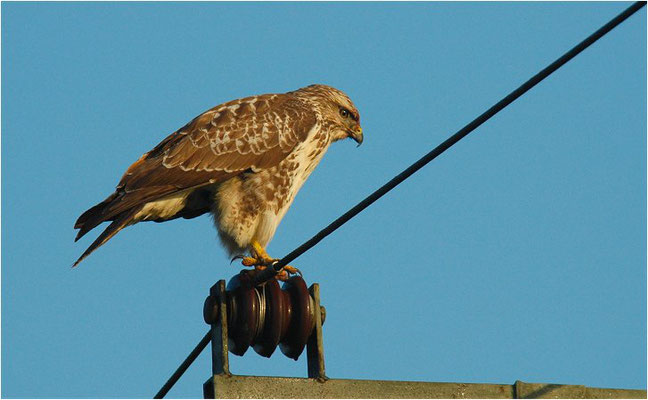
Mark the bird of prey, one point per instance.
(242, 161)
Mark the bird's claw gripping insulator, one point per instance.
(260, 260)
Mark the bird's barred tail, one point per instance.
(120, 222)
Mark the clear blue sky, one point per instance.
(518, 254)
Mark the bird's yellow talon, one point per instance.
(249, 261)
(237, 257)
(260, 260)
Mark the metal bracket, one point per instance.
(220, 356)
(315, 344)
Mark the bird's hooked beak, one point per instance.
(356, 134)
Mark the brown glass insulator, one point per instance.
(301, 318)
(243, 313)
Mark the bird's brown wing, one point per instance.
(247, 134)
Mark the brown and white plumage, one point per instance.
(244, 161)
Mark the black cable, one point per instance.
(463, 132)
(184, 366)
(269, 273)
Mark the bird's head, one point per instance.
(338, 110)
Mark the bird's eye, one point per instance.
(344, 112)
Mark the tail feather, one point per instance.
(93, 217)
(119, 223)
(118, 203)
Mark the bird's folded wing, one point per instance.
(247, 134)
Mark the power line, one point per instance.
(183, 367)
(269, 273)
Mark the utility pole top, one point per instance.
(232, 387)
(243, 314)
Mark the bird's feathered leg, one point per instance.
(260, 260)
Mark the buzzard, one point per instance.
(242, 161)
